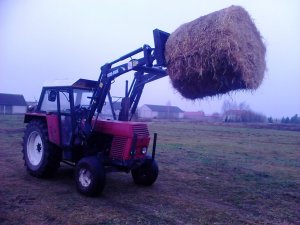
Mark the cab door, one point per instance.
(65, 117)
(57, 104)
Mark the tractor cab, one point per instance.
(63, 102)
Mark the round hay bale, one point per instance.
(215, 54)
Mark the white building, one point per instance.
(107, 111)
(160, 112)
(12, 104)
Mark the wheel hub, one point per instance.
(39, 147)
(85, 177)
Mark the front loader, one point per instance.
(67, 124)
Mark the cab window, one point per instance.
(49, 104)
(64, 100)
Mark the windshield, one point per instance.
(82, 98)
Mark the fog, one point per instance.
(54, 39)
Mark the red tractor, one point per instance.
(66, 125)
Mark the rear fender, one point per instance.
(52, 124)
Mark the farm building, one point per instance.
(107, 112)
(12, 104)
(160, 112)
(194, 115)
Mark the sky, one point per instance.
(68, 39)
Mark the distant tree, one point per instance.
(287, 120)
(295, 119)
(270, 120)
(229, 105)
(245, 116)
(241, 112)
(244, 106)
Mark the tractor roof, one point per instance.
(80, 83)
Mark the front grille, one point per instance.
(117, 148)
(141, 129)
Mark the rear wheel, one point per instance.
(90, 176)
(41, 157)
(146, 174)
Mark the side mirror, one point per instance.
(52, 96)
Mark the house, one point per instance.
(12, 104)
(160, 112)
(194, 115)
(107, 111)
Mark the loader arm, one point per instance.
(149, 68)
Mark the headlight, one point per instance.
(144, 150)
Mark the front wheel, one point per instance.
(90, 176)
(146, 174)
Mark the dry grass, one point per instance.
(208, 175)
(215, 54)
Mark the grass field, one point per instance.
(209, 174)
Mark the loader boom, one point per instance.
(148, 68)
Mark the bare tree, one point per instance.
(229, 105)
(244, 106)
